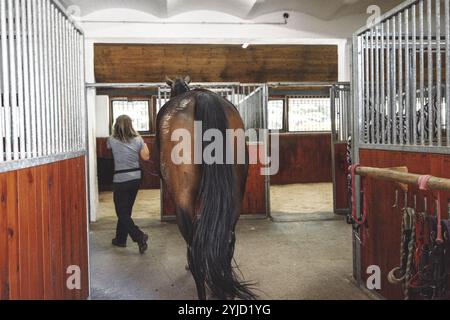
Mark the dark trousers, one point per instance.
(124, 196)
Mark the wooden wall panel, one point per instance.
(304, 158)
(215, 63)
(381, 241)
(340, 177)
(44, 209)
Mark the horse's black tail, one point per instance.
(210, 254)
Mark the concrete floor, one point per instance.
(309, 259)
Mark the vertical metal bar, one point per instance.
(53, 76)
(366, 109)
(383, 80)
(430, 75)
(6, 83)
(72, 123)
(78, 87)
(422, 73)
(62, 80)
(388, 83)
(407, 81)
(46, 67)
(447, 70)
(377, 108)
(65, 55)
(394, 81)
(50, 85)
(26, 77)
(372, 88)
(438, 73)
(40, 84)
(13, 78)
(32, 66)
(55, 69)
(414, 76)
(20, 86)
(400, 79)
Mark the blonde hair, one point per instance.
(123, 129)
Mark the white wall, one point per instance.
(102, 116)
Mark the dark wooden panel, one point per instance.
(215, 63)
(381, 245)
(304, 158)
(44, 211)
(340, 176)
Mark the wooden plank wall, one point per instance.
(43, 223)
(215, 63)
(304, 158)
(381, 244)
(340, 177)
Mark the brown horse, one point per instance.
(207, 197)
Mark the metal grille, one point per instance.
(341, 120)
(42, 112)
(401, 91)
(249, 99)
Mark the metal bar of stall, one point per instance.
(62, 80)
(45, 81)
(5, 82)
(78, 54)
(422, 73)
(68, 61)
(430, 75)
(56, 117)
(376, 119)
(447, 70)
(26, 78)
(394, 81)
(38, 63)
(13, 86)
(372, 89)
(66, 88)
(366, 109)
(438, 73)
(32, 55)
(56, 79)
(407, 81)
(72, 123)
(383, 80)
(414, 76)
(50, 84)
(400, 79)
(389, 96)
(20, 87)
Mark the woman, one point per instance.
(127, 146)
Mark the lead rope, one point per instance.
(411, 252)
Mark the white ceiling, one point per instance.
(247, 9)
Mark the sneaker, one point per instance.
(143, 244)
(118, 244)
